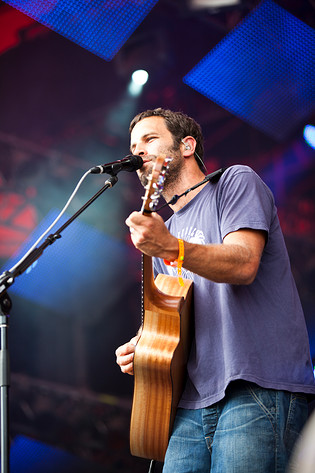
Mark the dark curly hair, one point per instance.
(180, 126)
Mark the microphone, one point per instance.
(130, 163)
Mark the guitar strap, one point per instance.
(213, 178)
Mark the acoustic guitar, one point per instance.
(162, 351)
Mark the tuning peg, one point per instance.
(153, 205)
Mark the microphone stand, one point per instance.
(6, 280)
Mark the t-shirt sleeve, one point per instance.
(245, 201)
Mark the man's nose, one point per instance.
(139, 150)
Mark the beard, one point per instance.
(174, 171)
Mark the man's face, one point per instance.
(150, 138)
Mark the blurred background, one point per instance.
(244, 70)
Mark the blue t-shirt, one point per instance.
(253, 332)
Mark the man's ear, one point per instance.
(189, 145)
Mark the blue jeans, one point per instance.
(252, 430)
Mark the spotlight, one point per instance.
(212, 4)
(309, 135)
(140, 77)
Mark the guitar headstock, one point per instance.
(155, 184)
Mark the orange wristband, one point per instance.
(179, 261)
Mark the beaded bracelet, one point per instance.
(179, 261)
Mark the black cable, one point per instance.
(152, 466)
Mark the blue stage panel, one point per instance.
(32, 456)
(262, 71)
(99, 26)
(83, 269)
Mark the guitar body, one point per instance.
(160, 362)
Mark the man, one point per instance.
(249, 369)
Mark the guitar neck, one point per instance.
(153, 190)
